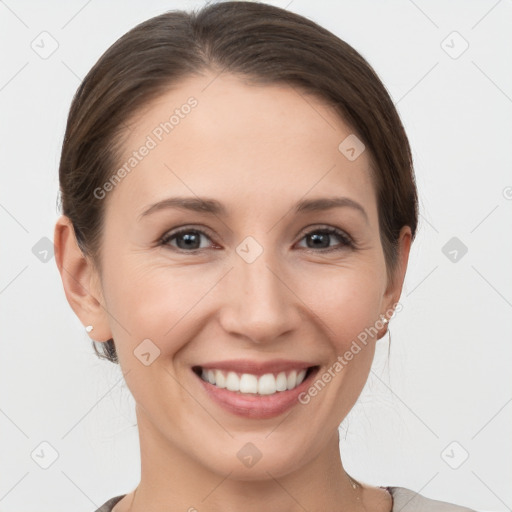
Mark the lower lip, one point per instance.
(252, 405)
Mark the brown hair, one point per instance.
(262, 43)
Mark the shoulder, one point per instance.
(109, 505)
(405, 500)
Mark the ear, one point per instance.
(80, 280)
(394, 287)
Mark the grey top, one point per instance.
(404, 500)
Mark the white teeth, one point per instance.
(248, 383)
(267, 384)
(281, 382)
(233, 382)
(220, 379)
(292, 379)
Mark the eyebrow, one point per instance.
(212, 206)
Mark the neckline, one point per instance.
(117, 499)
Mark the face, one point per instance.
(251, 285)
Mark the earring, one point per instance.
(89, 328)
(385, 321)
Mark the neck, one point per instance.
(173, 480)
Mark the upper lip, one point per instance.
(257, 367)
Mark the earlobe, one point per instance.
(79, 279)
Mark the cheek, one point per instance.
(156, 303)
(346, 302)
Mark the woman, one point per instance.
(238, 205)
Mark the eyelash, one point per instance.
(347, 242)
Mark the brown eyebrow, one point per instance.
(327, 203)
(196, 204)
(212, 206)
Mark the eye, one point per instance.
(187, 239)
(321, 236)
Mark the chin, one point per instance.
(255, 460)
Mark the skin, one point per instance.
(258, 150)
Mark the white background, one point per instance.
(448, 375)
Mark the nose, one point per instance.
(259, 303)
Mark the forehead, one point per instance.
(223, 134)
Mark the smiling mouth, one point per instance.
(250, 384)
